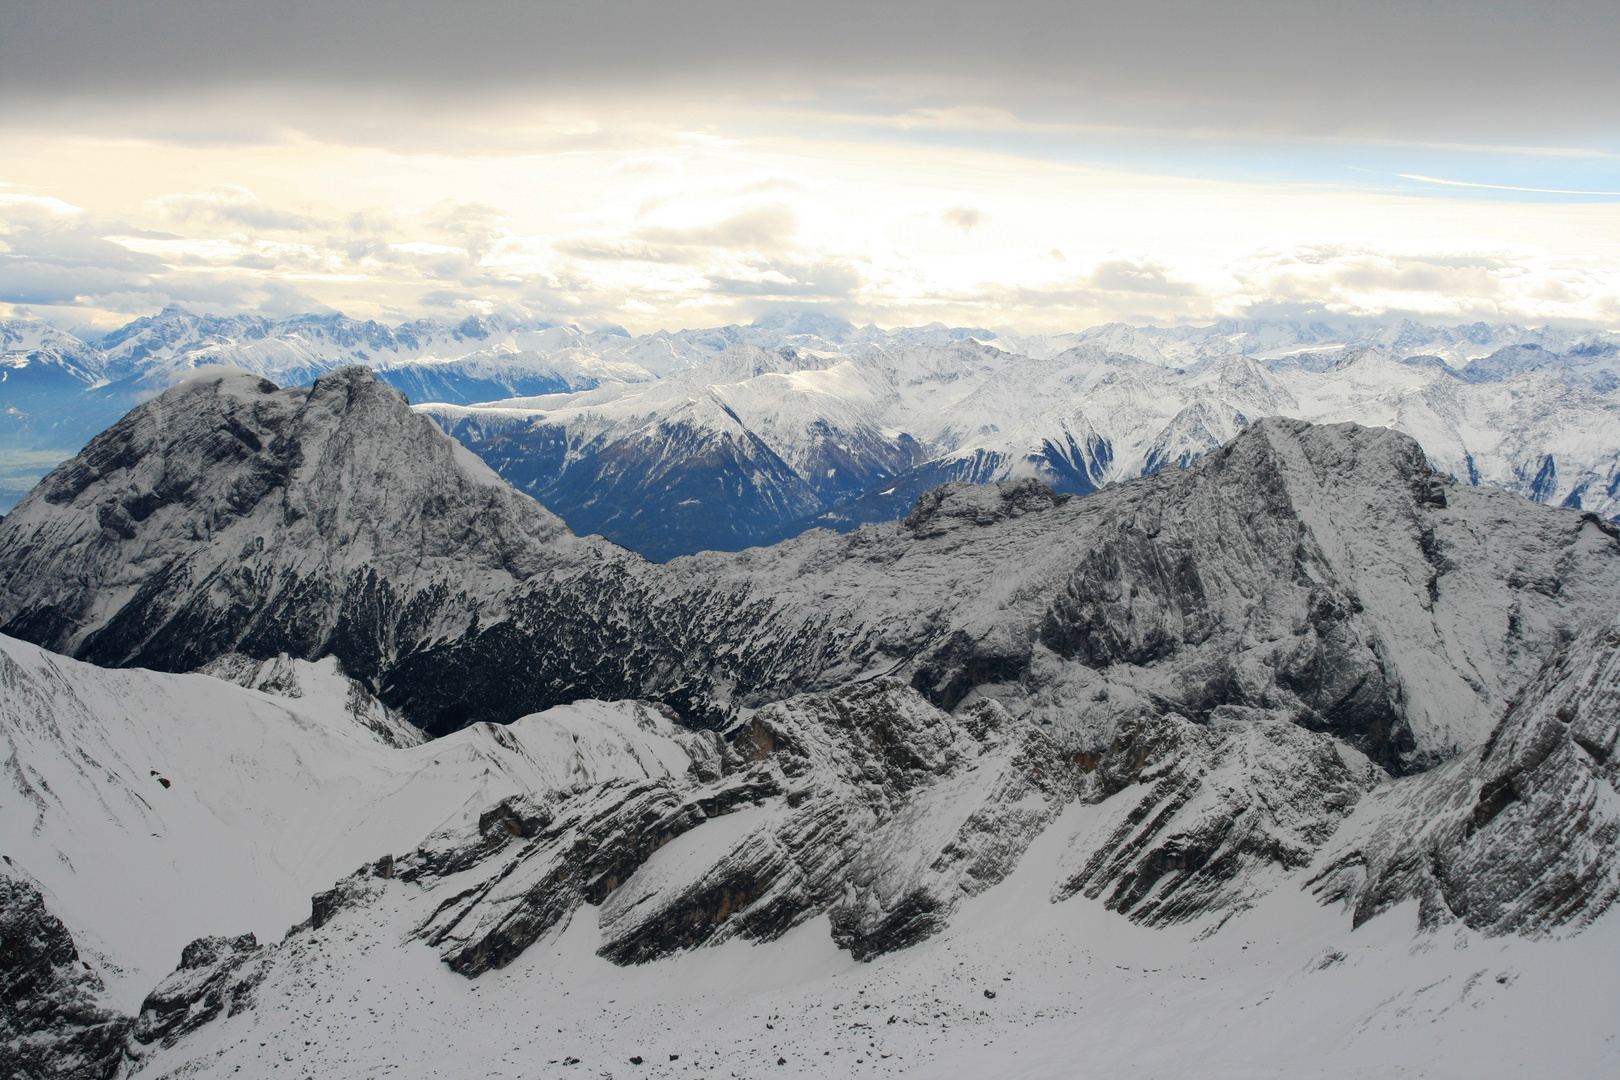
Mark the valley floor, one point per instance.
(1286, 989)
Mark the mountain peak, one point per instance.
(261, 491)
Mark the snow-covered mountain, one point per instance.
(790, 441)
(851, 879)
(57, 390)
(1319, 570)
(1311, 344)
(786, 447)
(949, 795)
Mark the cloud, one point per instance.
(474, 226)
(93, 263)
(863, 228)
(1488, 64)
(1139, 276)
(830, 280)
(765, 228)
(208, 373)
(229, 205)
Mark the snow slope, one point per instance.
(1285, 990)
(153, 808)
(1271, 975)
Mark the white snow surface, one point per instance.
(269, 798)
(1285, 990)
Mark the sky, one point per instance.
(1030, 164)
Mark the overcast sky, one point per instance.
(1417, 66)
(1037, 164)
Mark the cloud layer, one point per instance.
(702, 231)
(1300, 65)
(1038, 164)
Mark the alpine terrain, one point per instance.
(799, 420)
(1249, 746)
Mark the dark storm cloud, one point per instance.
(1295, 65)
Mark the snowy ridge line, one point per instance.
(794, 440)
(1324, 574)
(842, 443)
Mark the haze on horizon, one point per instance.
(1039, 165)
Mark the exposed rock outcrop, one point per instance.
(1197, 815)
(869, 805)
(216, 977)
(873, 807)
(54, 1024)
(1520, 836)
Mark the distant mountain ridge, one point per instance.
(756, 445)
(728, 437)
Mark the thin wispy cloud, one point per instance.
(1505, 187)
(228, 204)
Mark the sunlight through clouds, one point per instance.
(663, 226)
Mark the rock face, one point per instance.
(53, 1022)
(1324, 573)
(228, 513)
(1199, 814)
(868, 804)
(1516, 837)
(216, 976)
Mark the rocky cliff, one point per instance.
(1517, 836)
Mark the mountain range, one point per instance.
(803, 420)
(790, 440)
(1304, 749)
